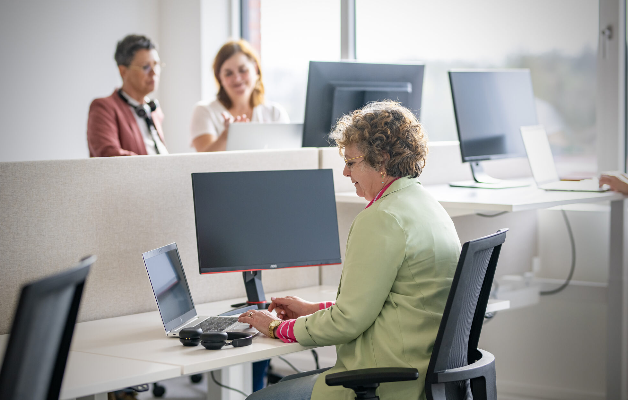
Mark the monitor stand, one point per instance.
(482, 180)
(254, 289)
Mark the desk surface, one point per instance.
(141, 337)
(114, 353)
(86, 374)
(460, 201)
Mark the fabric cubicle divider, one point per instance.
(54, 212)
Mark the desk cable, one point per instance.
(297, 370)
(573, 260)
(225, 386)
(572, 242)
(490, 315)
(290, 364)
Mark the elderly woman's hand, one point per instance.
(616, 180)
(258, 319)
(291, 307)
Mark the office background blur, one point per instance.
(58, 56)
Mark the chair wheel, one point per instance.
(158, 390)
(196, 378)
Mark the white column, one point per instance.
(347, 29)
(611, 87)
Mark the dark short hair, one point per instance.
(127, 47)
(385, 127)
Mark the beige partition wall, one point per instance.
(54, 212)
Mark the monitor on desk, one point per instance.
(259, 220)
(338, 88)
(490, 107)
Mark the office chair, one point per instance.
(457, 368)
(41, 333)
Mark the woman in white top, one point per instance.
(240, 98)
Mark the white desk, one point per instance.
(143, 337)
(87, 374)
(465, 201)
(115, 353)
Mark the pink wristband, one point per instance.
(285, 331)
(325, 304)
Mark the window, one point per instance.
(555, 39)
(291, 34)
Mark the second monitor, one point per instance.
(338, 88)
(490, 106)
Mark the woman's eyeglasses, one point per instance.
(156, 68)
(350, 163)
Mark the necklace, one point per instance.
(381, 192)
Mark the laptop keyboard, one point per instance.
(217, 324)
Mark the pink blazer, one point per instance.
(112, 129)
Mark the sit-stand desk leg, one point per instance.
(237, 376)
(617, 323)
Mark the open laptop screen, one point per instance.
(539, 154)
(169, 286)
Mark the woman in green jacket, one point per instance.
(400, 260)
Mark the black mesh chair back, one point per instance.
(458, 369)
(38, 347)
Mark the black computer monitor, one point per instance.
(260, 220)
(338, 88)
(490, 107)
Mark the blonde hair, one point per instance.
(385, 127)
(226, 51)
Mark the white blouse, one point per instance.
(207, 117)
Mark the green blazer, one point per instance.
(400, 261)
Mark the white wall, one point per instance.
(58, 56)
(191, 33)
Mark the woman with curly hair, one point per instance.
(400, 260)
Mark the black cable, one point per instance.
(315, 354)
(490, 315)
(290, 364)
(492, 215)
(573, 260)
(225, 386)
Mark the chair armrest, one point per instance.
(475, 370)
(370, 376)
(302, 374)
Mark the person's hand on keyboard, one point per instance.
(616, 180)
(292, 307)
(258, 319)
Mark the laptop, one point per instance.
(543, 167)
(174, 299)
(260, 136)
